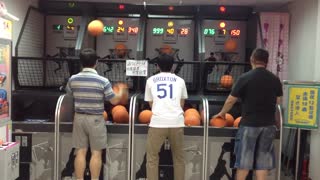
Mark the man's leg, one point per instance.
(176, 139)
(265, 157)
(98, 141)
(261, 174)
(245, 144)
(80, 163)
(155, 139)
(80, 142)
(95, 164)
(242, 174)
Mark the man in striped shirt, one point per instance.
(89, 91)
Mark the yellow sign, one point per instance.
(302, 106)
(5, 29)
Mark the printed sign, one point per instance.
(302, 109)
(5, 29)
(136, 68)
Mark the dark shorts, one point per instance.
(254, 149)
(89, 130)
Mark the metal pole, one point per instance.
(57, 138)
(280, 143)
(131, 152)
(298, 154)
(204, 111)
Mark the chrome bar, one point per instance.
(57, 138)
(280, 141)
(133, 115)
(298, 153)
(206, 136)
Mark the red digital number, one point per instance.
(133, 30)
(235, 32)
(184, 31)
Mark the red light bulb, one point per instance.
(222, 9)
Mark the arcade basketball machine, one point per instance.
(45, 59)
(9, 151)
(117, 41)
(228, 37)
(122, 40)
(172, 30)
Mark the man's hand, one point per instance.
(222, 115)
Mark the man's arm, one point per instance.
(231, 100)
(111, 96)
(182, 101)
(150, 104)
(117, 97)
(279, 100)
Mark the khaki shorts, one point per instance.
(89, 130)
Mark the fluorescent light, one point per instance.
(11, 16)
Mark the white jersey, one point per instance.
(166, 90)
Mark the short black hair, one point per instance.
(165, 62)
(260, 55)
(88, 57)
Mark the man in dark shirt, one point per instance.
(259, 91)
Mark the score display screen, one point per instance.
(183, 31)
(57, 27)
(209, 32)
(157, 31)
(133, 30)
(108, 29)
(235, 32)
(170, 31)
(221, 32)
(120, 29)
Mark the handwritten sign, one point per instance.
(302, 109)
(5, 29)
(136, 68)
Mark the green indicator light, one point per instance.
(70, 20)
(71, 4)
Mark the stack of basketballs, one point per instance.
(229, 121)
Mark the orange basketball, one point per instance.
(118, 107)
(230, 45)
(125, 96)
(166, 49)
(192, 120)
(145, 116)
(105, 115)
(229, 119)
(192, 111)
(120, 50)
(1, 142)
(218, 122)
(95, 27)
(226, 81)
(120, 116)
(236, 122)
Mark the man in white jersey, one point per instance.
(165, 93)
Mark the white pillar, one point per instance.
(314, 172)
